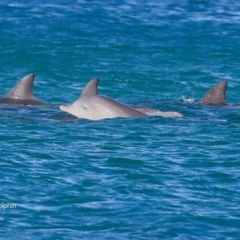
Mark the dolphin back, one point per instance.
(22, 93)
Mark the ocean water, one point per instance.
(148, 178)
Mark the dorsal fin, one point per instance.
(22, 93)
(23, 89)
(91, 88)
(216, 95)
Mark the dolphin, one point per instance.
(154, 112)
(22, 93)
(92, 106)
(216, 95)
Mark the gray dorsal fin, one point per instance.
(23, 89)
(216, 95)
(91, 88)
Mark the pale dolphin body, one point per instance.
(216, 95)
(94, 107)
(155, 112)
(22, 93)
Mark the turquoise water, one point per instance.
(151, 178)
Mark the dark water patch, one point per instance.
(124, 162)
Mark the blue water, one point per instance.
(148, 178)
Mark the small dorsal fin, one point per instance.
(23, 89)
(91, 88)
(216, 95)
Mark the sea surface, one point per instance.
(122, 178)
